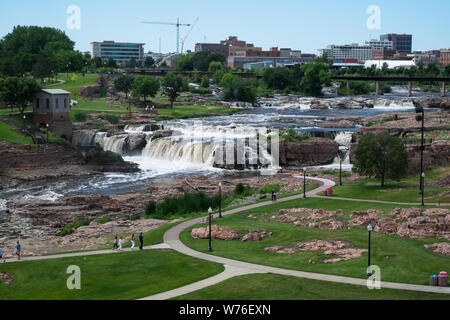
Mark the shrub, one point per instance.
(269, 187)
(243, 191)
(112, 119)
(239, 189)
(150, 208)
(70, 228)
(80, 117)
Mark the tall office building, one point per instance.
(400, 42)
(351, 52)
(121, 52)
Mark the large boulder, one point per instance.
(310, 152)
(91, 91)
(134, 143)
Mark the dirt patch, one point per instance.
(444, 182)
(6, 279)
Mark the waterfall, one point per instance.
(84, 138)
(344, 139)
(113, 143)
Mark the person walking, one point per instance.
(273, 195)
(120, 243)
(141, 241)
(18, 249)
(115, 243)
(1, 254)
(132, 241)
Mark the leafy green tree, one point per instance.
(277, 78)
(172, 85)
(315, 76)
(149, 62)
(21, 48)
(381, 156)
(43, 68)
(205, 82)
(226, 80)
(111, 63)
(145, 86)
(18, 92)
(124, 84)
(215, 66)
(238, 89)
(184, 63)
(130, 64)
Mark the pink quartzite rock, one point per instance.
(221, 233)
(441, 247)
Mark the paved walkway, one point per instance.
(171, 237)
(87, 253)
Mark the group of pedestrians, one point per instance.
(18, 251)
(118, 243)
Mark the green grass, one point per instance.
(405, 190)
(400, 259)
(278, 287)
(9, 133)
(73, 82)
(121, 276)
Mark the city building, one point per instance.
(212, 47)
(391, 64)
(380, 44)
(383, 54)
(400, 42)
(347, 52)
(121, 52)
(445, 57)
(52, 107)
(424, 57)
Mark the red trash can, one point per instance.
(443, 279)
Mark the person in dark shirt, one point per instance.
(141, 241)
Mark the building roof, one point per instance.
(390, 63)
(55, 91)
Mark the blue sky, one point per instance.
(299, 24)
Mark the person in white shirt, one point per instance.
(120, 244)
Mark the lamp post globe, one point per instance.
(220, 199)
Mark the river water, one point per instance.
(194, 150)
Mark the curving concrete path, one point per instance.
(235, 267)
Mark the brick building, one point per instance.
(445, 57)
(52, 107)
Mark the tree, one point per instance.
(205, 82)
(130, 64)
(381, 156)
(18, 92)
(315, 76)
(184, 63)
(111, 63)
(43, 68)
(172, 85)
(215, 66)
(149, 62)
(21, 48)
(145, 86)
(238, 89)
(124, 84)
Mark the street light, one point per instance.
(220, 199)
(210, 212)
(422, 148)
(369, 229)
(24, 118)
(304, 182)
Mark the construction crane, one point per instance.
(187, 35)
(177, 24)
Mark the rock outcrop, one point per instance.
(310, 152)
(217, 232)
(256, 236)
(440, 247)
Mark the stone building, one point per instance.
(52, 107)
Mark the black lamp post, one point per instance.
(422, 148)
(220, 199)
(304, 182)
(369, 229)
(340, 170)
(423, 187)
(210, 245)
(24, 119)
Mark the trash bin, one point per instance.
(325, 193)
(443, 279)
(330, 192)
(433, 280)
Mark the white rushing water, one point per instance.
(3, 204)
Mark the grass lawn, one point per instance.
(73, 82)
(278, 287)
(405, 190)
(8, 133)
(128, 275)
(400, 259)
